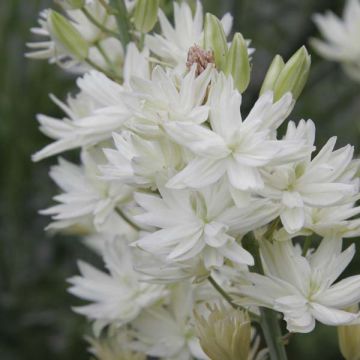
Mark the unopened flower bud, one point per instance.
(67, 36)
(215, 40)
(225, 334)
(349, 339)
(290, 77)
(272, 74)
(237, 63)
(145, 15)
(293, 76)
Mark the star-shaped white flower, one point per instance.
(87, 202)
(117, 297)
(173, 45)
(234, 147)
(199, 224)
(302, 288)
(326, 180)
(341, 37)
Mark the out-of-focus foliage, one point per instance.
(36, 321)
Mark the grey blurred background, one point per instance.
(36, 321)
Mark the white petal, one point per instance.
(293, 219)
(198, 173)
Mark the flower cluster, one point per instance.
(177, 186)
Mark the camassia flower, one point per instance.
(174, 337)
(117, 297)
(173, 44)
(235, 147)
(96, 111)
(201, 223)
(302, 288)
(167, 97)
(341, 38)
(87, 203)
(328, 179)
(53, 50)
(141, 162)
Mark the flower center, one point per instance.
(200, 57)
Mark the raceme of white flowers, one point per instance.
(204, 215)
(341, 38)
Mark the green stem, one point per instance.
(268, 320)
(99, 68)
(122, 20)
(128, 220)
(307, 245)
(222, 292)
(106, 6)
(272, 333)
(108, 61)
(98, 24)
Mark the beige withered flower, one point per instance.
(349, 339)
(225, 334)
(113, 348)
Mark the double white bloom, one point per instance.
(302, 288)
(341, 38)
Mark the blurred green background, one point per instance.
(36, 321)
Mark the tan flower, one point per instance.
(349, 339)
(225, 334)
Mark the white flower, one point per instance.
(141, 162)
(117, 297)
(341, 37)
(56, 53)
(239, 149)
(173, 45)
(199, 224)
(339, 220)
(87, 202)
(302, 288)
(168, 332)
(168, 97)
(326, 180)
(82, 127)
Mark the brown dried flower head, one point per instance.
(201, 57)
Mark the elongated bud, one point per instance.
(215, 40)
(272, 74)
(349, 339)
(294, 75)
(225, 334)
(67, 36)
(145, 15)
(237, 63)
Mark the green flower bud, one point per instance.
(215, 40)
(349, 339)
(272, 74)
(237, 63)
(67, 36)
(225, 334)
(294, 75)
(145, 15)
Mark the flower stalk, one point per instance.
(268, 318)
(222, 292)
